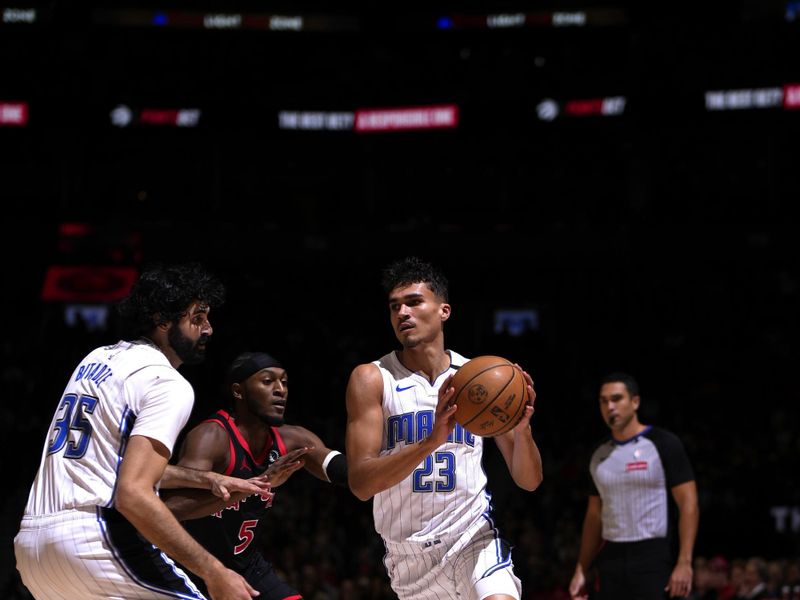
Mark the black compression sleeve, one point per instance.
(336, 470)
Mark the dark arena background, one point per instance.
(608, 186)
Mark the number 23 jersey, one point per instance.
(447, 491)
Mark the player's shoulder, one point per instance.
(365, 372)
(213, 425)
(131, 358)
(210, 437)
(162, 379)
(365, 384)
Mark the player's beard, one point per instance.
(271, 420)
(408, 344)
(410, 341)
(190, 353)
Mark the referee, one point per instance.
(628, 522)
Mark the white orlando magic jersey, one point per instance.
(116, 391)
(447, 491)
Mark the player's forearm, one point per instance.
(586, 555)
(182, 477)
(688, 523)
(369, 476)
(526, 461)
(187, 504)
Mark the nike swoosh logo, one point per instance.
(399, 389)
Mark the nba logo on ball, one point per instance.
(502, 415)
(477, 394)
(491, 395)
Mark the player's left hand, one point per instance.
(524, 422)
(680, 582)
(279, 471)
(223, 486)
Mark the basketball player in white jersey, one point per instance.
(94, 526)
(404, 448)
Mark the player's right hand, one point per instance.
(577, 587)
(229, 585)
(279, 471)
(526, 416)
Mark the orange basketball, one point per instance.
(491, 394)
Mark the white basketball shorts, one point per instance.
(470, 567)
(95, 554)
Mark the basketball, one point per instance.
(491, 394)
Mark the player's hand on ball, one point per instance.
(492, 396)
(526, 418)
(445, 421)
(279, 471)
(445, 393)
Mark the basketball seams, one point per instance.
(521, 411)
(478, 374)
(490, 403)
(487, 388)
(466, 386)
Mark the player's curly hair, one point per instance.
(164, 292)
(413, 269)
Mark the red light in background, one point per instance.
(579, 108)
(417, 117)
(14, 113)
(155, 116)
(74, 229)
(791, 96)
(87, 283)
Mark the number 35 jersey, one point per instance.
(447, 491)
(115, 392)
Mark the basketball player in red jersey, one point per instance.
(249, 440)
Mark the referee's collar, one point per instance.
(632, 439)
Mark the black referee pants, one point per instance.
(634, 570)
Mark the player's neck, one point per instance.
(426, 359)
(161, 343)
(254, 430)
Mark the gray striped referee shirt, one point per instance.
(633, 479)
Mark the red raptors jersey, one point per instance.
(232, 535)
